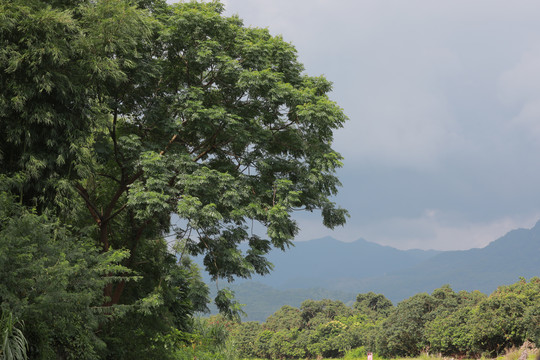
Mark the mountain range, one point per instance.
(328, 268)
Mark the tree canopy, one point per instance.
(116, 114)
(445, 322)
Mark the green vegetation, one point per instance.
(462, 324)
(13, 345)
(261, 301)
(115, 114)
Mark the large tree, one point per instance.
(117, 114)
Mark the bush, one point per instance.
(359, 353)
(209, 340)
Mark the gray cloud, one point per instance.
(443, 100)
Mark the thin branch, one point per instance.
(208, 142)
(201, 238)
(173, 139)
(274, 130)
(185, 245)
(201, 155)
(119, 192)
(116, 212)
(91, 207)
(109, 177)
(112, 132)
(210, 78)
(213, 146)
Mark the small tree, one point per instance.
(374, 305)
(13, 344)
(53, 279)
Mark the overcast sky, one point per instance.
(443, 143)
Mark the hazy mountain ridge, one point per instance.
(338, 270)
(501, 262)
(312, 263)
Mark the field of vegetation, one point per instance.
(512, 354)
(444, 324)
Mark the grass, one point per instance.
(511, 354)
(514, 354)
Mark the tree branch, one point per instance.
(112, 133)
(91, 207)
(116, 212)
(109, 177)
(121, 189)
(119, 288)
(173, 139)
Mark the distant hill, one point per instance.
(329, 268)
(319, 269)
(320, 262)
(517, 254)
(262, 300)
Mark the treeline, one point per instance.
(444, 322)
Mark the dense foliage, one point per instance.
(115, 114)
(444, 322)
